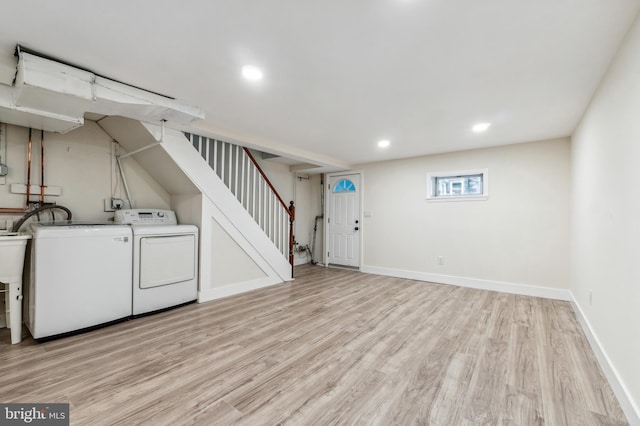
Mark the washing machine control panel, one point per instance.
(145, 217)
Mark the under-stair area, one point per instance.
(243, 221)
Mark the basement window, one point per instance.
(460, 185)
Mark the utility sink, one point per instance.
(12, 249)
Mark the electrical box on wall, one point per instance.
(113, 204)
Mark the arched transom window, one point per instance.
(344, 185)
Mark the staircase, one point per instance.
(245, 227)
(240, 172)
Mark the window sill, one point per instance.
(459, 198)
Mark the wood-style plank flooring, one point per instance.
(332, 347)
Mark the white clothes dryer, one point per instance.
(165, 259)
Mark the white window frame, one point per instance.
(433, 177)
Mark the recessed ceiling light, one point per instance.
(480, 127)
(252, 73)
(384, 143)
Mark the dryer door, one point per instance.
(167, 260)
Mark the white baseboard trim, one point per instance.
(237, 288)
(297, 261)
(627, 404)
(523, 289)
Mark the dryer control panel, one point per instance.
(145, 217)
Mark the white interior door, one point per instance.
(343, 220)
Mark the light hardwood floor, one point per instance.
(332, 347)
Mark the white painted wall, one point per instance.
(229, 263)
(606, 219)
(308, 206)
(305, 219)
(520, 235)
(81, 162)
(279, 175)
(302, 198)
(188, 208)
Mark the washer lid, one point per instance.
(75, 223)
(75, 230)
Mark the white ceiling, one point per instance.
(341, 75)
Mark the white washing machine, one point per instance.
(78, 277)
(165, 259)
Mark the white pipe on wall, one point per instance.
(124, 182)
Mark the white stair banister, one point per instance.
(240, 172)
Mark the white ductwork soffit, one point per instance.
(53, 96)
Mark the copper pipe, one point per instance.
(42, 187)
(4, 210)
(29, 168)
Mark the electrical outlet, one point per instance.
(440, 260)
(117, 203)
(113, 204)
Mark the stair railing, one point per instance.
(242, 174)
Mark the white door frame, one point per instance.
(328, 200)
